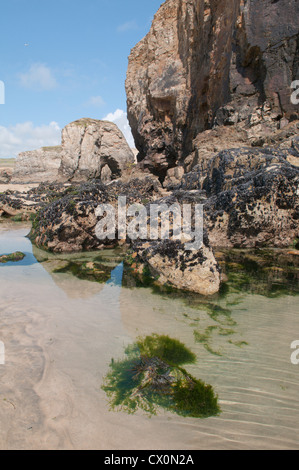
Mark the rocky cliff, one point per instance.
(211, 64)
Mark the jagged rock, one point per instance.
(252, 196)
(227, 63)
(37, 166)
(5, 175)
(92, 149)
(173, 177)
(7, 210)
(209, 143)
(12, 257)
(68, 224)
(169, 263)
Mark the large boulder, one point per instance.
(168, 263)
(37, 166)
(93, 149)
(68, 222)
(211, 63)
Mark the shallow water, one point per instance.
(60, 334)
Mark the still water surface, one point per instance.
(61, 332)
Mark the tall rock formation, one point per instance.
(93, 149)
(209, 63)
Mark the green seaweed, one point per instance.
(87, 271)
(199, 401)
(269, 272)
(166, 349)
(204, 339)
(239, 344)
(150, 378)
(12, 257)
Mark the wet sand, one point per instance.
(22, 188)
(58, 348)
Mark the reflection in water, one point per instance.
(71, 272)
(117, 275)
(60, 333)
(28, 260)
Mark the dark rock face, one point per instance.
(252, 196)
(269, 32)
(211, 63)
(68, 222)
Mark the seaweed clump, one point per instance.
(12, 257)
(91, 271)
(151, 377)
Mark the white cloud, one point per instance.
(39, 77)
(119, 117)
(26, 136)
(96, 101)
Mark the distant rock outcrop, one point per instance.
(93, 149)
(37, 166)
(5, 175)
(207, 64)
(89, 149)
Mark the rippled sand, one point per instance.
(60, 335)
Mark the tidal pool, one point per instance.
(65, 319)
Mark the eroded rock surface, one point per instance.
(207, 64)
(68, 222)
(37, 166)
(169, 263)
(93, 149)
(5, 175)
(252, 196)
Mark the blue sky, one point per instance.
(73, 66)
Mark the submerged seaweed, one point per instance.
(87, 271)
(151, 377)
(12, 257)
